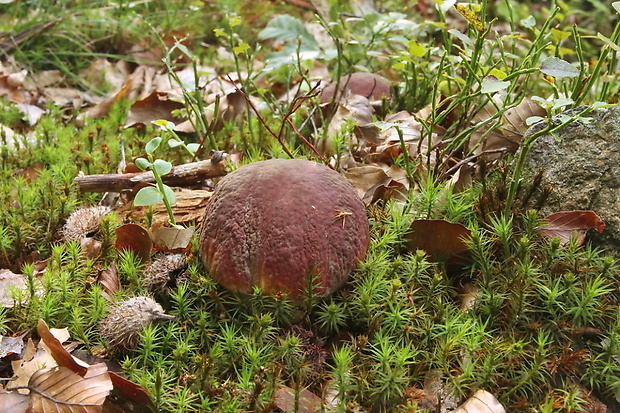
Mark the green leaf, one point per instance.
(416, 49)
(241, 48)
(616, 6)
(532, 120)
(220, 33)
(164, 124)
(528, 22)
(556, 67)
(288, 28)
(558, 103)
(234, 21)
(162, 167)
(169, 194)
(193, 147)
(491, 84)
(173, 143)
(560, 35)
(147, 196)
(608, 42)
(152, 145)
(143, 164)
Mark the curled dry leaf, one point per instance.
(155, 106)
(568, 224)
(354, 109)
(411, 129)
(373, 182)
(110, 282)
(439, 238)
(134, 238)
(508, 136)
(168, 239)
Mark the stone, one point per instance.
(581, 166)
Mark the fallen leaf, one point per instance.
(11, 345)
(31, 173)
(481, 402)
(380, 181)
(304, 402)
(110, 282)
(155, 106)
(56, 349)
(168, 239)
(13, 402)
(439, 238)
(62, 390)
(568, 224)
(135, 238)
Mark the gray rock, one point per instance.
(581, 165)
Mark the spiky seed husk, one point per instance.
(158, 273)
(83, 221)
(122, 326)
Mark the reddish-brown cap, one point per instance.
(280, 223)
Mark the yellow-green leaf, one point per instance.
(234, 21)
(560, 35)
(241, 48)
(220, 33)
(416, 49)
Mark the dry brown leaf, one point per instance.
(13, 402)
(304, 402)
(508, 136)
(481, 402)
(31, 113)
(61, 390)
(103, 73)
(31, 173)
(110, 282)
(166, 239)
(134, 238)
(39, 357)
(42, 79)
(373, 182)
(11, 345)
(90, 247)
(354, 109)
(439, 238)
(568, 224)
(154, 107)
(67, 97)
(52, 342)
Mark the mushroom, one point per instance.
(370, 85)
(288, 226)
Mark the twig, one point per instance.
(186, 174)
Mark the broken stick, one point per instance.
(181, 175)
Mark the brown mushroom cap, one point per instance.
(369, 85)
(276, 224)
